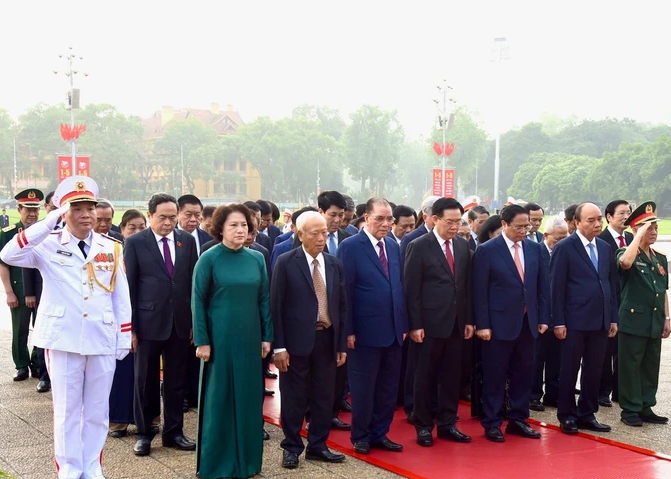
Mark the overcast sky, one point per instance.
(591, 58)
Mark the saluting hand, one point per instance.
(204, 352)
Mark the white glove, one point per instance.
(54, 217)
(121, 353)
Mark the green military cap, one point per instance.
(645, 213)
(31, 197)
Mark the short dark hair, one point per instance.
(401, 211)
(221, 214)
(266, 209)
(157, 199)
(47, 198)
(103, 203)
(208, 211)
(252, 206)
(612, 206)
(356, 222)
(331, 198)
(188, 200)
(393, 205)
(533, 207)
(360, 209)
(509, 213)
(492, 224)
(443, 204)
(370, 204)
(130, 215)
(350, 203)
(275, 211)
(569, 212)
(297, 213)
(476, 211)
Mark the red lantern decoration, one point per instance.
(69, 133)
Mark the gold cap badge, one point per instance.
(31, 195)
(80, 186)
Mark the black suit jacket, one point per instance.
(273, 233)
(160, 302)
(342, 235)
(435, 298)
(608, 238)
(266, 255)
(294, 303)
(264, 241)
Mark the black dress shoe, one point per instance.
(270, 374)
(494, 434)
(550, 403)
(179, 442)
(410, 417)
(654, 418)
(521, 428)
(268, 392)
(362, 447)
(634, 421)
(266, 436)
(605, 402)
(43, 386)
(185, 406)
(424, 438)
(568, 426)
(142, 447)
(576, 391)
(324, 456)
(339, 425)
(154, 429)
(453, 434)
(535, 405)
(119, 434)
(34, 373)
(387, 445)
(289, 459)
(593, 425)
(21, 374)
(345, 406)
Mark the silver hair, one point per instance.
(305, 217)
(554, 222)
(105, 203)
(427, 204)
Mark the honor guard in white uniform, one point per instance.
(83, 321)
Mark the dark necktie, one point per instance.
(383, 258)
(82, 246)
(450, 256)
(322, 297)
(167, 256)
(622, 243)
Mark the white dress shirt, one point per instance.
(375, 242)
(512, 249)
(475, 238)
(586, 242)
(616, 236)
(398, 240)
(171, 245)
(548, 248)
(194, 233)
(442, 242)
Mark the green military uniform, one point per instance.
(21, 314)
(641, 323)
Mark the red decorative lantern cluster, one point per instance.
(446, 149)
(69, 133)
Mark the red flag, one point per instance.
(69, 133)
(438, 148)
(449, 148)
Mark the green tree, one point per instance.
(564, 181)
(655, 172)
(523, 181)
(7, 135)
(372, 145)
(328, 119)
(621, 168)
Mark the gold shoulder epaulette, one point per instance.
(8, 228)
(110, 238)
(658, 252)
(57, 232)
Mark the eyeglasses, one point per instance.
(382, 219)
(526, 227)
(450, 222)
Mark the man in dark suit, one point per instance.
(617, 212)
(476, 217)
(4, 219)
(159, 265)
(104, 218)
(262, 239)
(349, 216)
(437, 284)
(266, 225)
(405, 219)
(376, 322)
(309, 304)
(548, 348)
(536, 215)
(289, 242)
(510, 293)
(583, 285)
(188, 219)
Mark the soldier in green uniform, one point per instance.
(644, 318)
(12, 279)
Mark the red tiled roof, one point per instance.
(225, 122)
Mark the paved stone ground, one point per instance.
(26, 449)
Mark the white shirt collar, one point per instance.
(441, 241)
(87, 240)
(310, 259)
(427, 228)
(159, 238)
(584, 240)
(509, 242)
(548, 248)
(616, 235)
(372, 238)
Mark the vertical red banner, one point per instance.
(64, 167)
(82, 166)
(438, 180)
(83, 163)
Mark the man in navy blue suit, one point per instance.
(583, 286)
(536, 215)
(376, 323)
(511, 307)
(266, 225)
(188, 219)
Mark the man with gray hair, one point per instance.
(548, 348)
(104, 219)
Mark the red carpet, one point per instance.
(555, 455)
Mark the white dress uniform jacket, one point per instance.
(76, 313)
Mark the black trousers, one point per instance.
(37, 356)
(309, 380)
(547, 359)
(192, 377)
(466, 367)
(438, 359)
(340, 385)
(609, 371)
(588, 347)
(175, 352)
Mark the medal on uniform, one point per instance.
(105, 258)
(661, 269)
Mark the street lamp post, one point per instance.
(445, 121)
(73, 95)
(500, 52)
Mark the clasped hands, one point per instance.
(205, 351)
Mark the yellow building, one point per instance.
(245, 180)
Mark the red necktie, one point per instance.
(450, 257)
(622, 243)
(383, 258)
